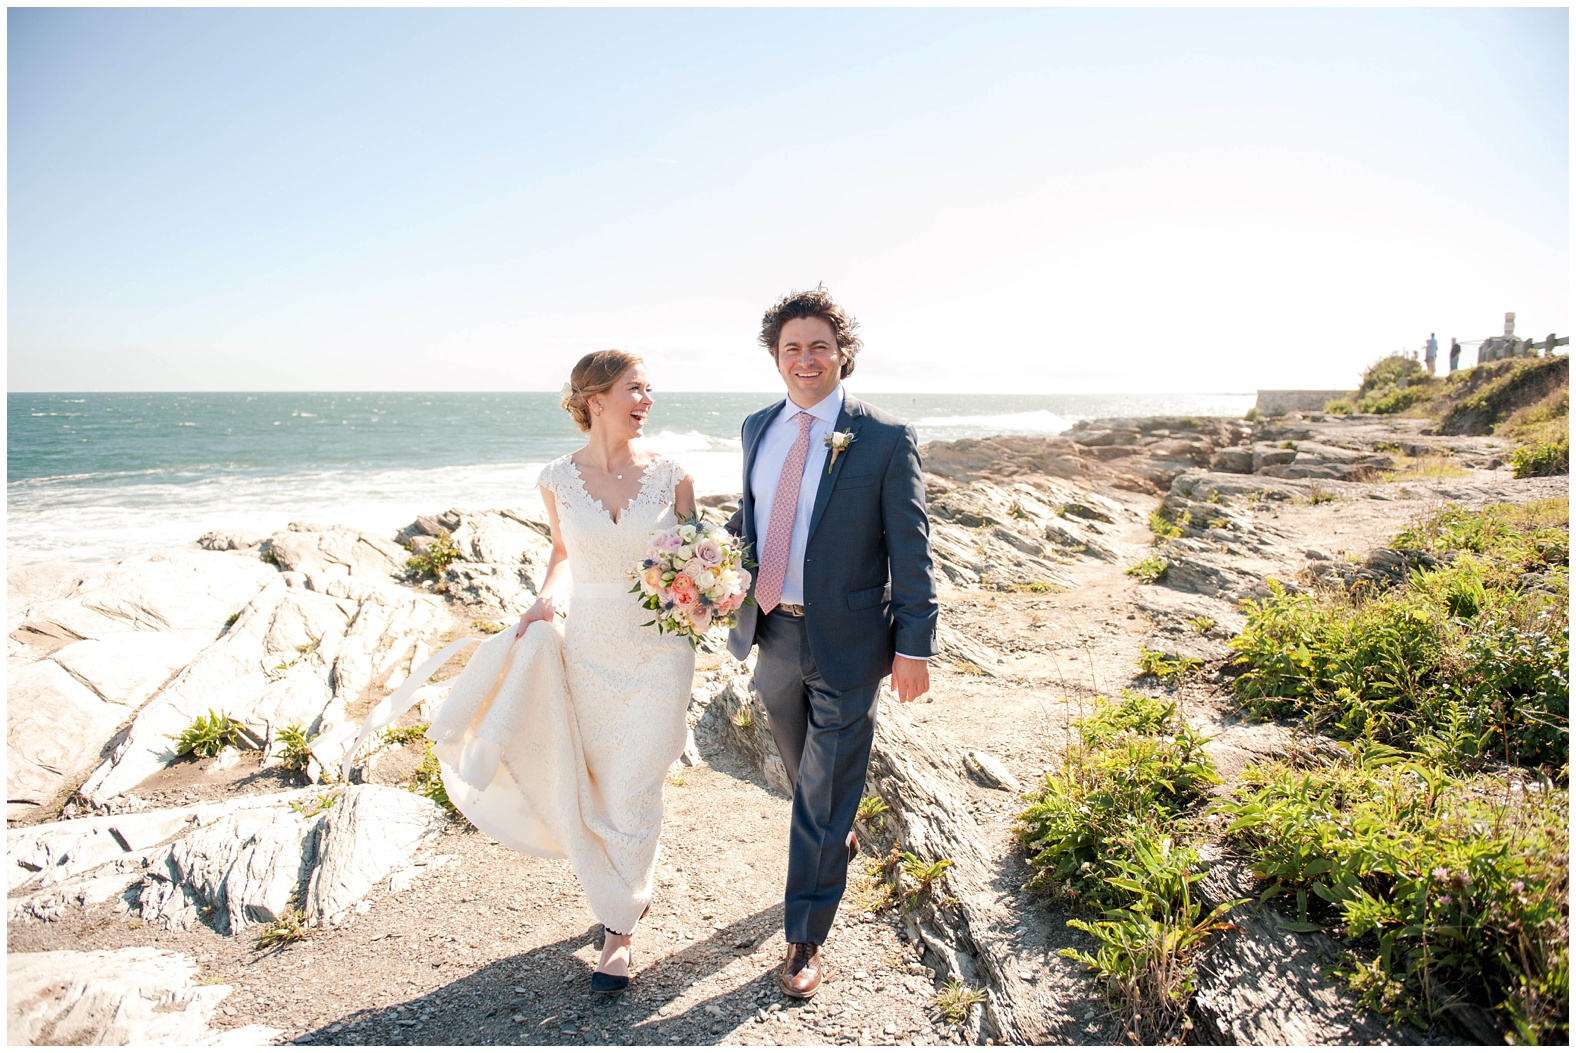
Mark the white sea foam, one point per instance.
(1032, 422)
(87, 524)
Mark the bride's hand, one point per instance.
(543, 610)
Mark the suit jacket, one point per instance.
(869, 585)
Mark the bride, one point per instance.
(558, 745)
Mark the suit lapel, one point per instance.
(848, 419)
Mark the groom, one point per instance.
(834, 510)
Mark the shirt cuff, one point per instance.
(915, 657)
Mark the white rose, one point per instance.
(706, 579)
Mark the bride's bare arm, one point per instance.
(684, 498)
(556, 582)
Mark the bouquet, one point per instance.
(694, 577)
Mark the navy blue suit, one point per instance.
(869, 592)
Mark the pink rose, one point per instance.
(744, 581)
(672, 542)
(708, 552)
(652, 579)
(701, 620)
(684, 592)
(694, 567)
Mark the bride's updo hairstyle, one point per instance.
(594, 374)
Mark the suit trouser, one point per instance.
(823, 736)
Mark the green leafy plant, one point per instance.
(488, 626)
(1201, 624)
(1170, 668)
(317, 806)
(1465, 661)
(404, 736)
(1102, 832)
(1541, 458)
(744, 718)
(1162, 526)
(440, 552)
(1447, 889)
(871, 808)
(1148, 570)
(427, 781)
(206, 736)
(954, 1000)
(289, 927)
(1253, 416)
(1146, 947)
(924, 876)
(294, 749)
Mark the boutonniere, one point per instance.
(837, 442)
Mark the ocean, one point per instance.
(99, 476)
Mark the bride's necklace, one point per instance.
(619, 474)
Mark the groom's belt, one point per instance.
(792, 610)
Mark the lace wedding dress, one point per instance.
(558, 745)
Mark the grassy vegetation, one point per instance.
(1110, 830)
(1438, 846)
(287, 928)
(1448, 890)
(1148, 570)
(1541, 458)
(1172, 668)
(404, 736)
(1465, 663)
(954, 1000)
(294, 749)
(436, 559)
(1163, 527)
(1428, 466)
(427, 781)
(206, 736)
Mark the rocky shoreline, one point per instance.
(142, 882)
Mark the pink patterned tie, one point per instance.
(779, 532)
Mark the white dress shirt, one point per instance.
(777, 440)
(769, 457)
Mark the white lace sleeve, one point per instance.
(555, 479)
(676, 474)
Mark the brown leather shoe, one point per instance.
(853, 847)
(802, 971)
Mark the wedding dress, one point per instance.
(558, 744)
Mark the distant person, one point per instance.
(1431, 354)
(1455, 355)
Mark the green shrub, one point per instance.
(1392, 400)
(294, 750)
(432, 563)
(1170, 668)
(1104, 830)
(1137, 760)
(1542, 458)
(1448, 890)
(206, 736)
(427, 781)
(1343, 406)
(1465, 662)
(1148, 570)
(1391, 371)
(404, 736)
(1162, 526)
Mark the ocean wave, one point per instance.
(678, 443)
(1033, 422)
(73, 522)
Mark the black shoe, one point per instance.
(607, 983)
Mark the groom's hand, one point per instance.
(910, 677)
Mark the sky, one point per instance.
(1008, 200)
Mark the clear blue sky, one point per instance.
(1009, 200)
